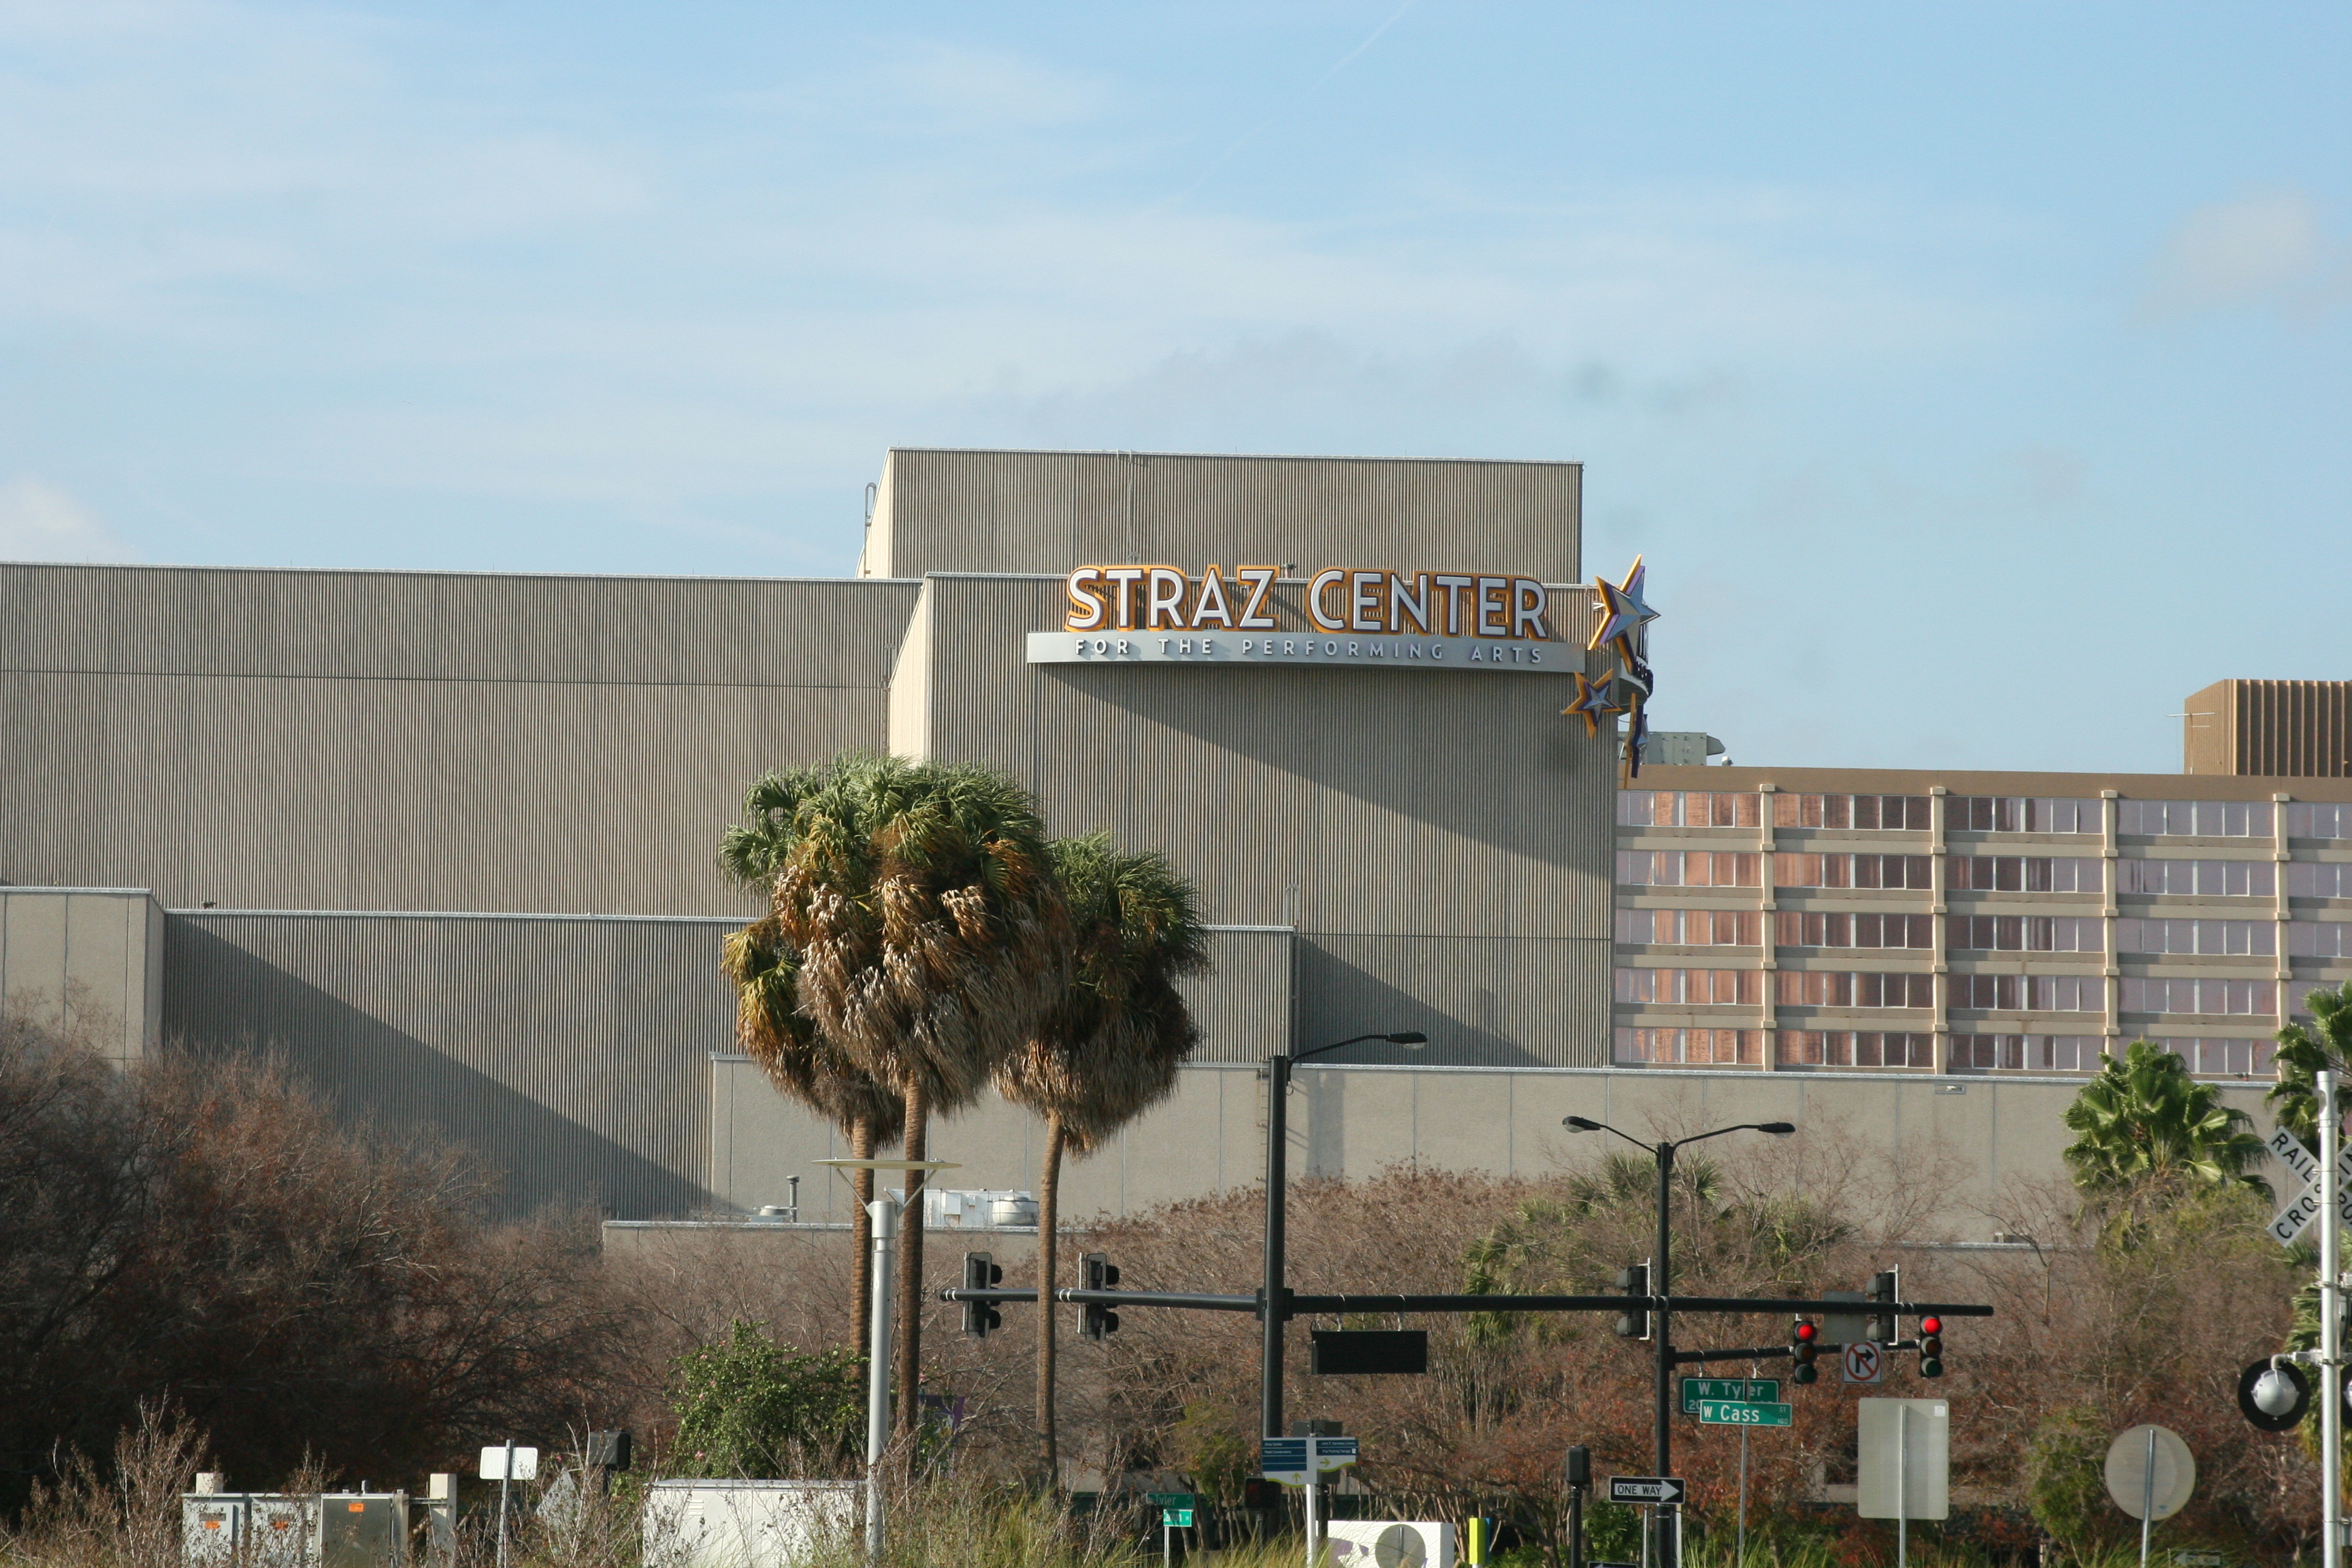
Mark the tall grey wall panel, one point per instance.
(1242, 1004)
(1443, 843)
(375, 795)
(445, 626)
(572, 1054)
(1048, 511)
(372, 741)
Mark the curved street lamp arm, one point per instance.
(1355, 1040)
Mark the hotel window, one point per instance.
(2319, 939)
(1816, 988)
(2030, 992)
(2019, 814)
(2251, 997)
(2240, 937)
(1693, 928)
(1872, 812)
(1851, 1049)
(2307, 820)
(2318, 879)
(1688, 808)
(2223, 1059)
(2022, 874)
(1793, 929)
(2199, 878)
(1691, 987)
(1797, 869)
(2025, 1053)
(2022, 933)
(2205, 818)
(1690, 1047)
(1693, 868)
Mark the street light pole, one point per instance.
(1275, 1309)
(1669, 1537)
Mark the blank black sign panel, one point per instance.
(1357, 1352)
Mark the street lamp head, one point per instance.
(1777, 1129)
(1578, 1125)
(1407, 1037)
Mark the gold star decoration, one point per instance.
(1624, 613)
(1594, 699)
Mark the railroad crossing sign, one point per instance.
(2304, 1207)
(1760, 1389)
(1863, 1362)
(1745, 1413)
(1666, 1490)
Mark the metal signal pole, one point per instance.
(2331, 1329)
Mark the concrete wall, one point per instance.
(1353, 1121)
(570, 1052)
(86, 959)
(418, 741)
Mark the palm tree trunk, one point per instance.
(1049, 1183)
(861, 1147)
(910, 1264)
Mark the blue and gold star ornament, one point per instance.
(1624, 614)
(1594, 699)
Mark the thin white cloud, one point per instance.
(2268, 249)
(38, 522)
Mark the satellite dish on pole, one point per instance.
(2148, 1490)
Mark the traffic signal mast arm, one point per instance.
(1300, 1305)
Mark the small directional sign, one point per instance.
(1669, 1490)
(1863, 1362)
(1176, 1519)
(1756, 1388)
(1745, 1413)
(1169, 1500)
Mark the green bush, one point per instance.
(751, 1409)
(2065, 1483)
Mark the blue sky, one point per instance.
(1974, 376)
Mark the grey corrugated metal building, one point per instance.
(446, 839)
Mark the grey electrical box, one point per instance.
(362, 1530)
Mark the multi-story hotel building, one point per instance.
(1808, 919)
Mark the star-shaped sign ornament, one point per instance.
(1624, 613)
(1594, 699)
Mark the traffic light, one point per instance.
(1097, 1272)
(981, 1272)
(1931, 1347)
(1882, 1288)
(1633, 1281)
(1804, 1350)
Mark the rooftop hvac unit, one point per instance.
(1390, 1543)
(983, 1208)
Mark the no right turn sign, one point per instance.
(1864, 1363)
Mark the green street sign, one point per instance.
(1176, 1519)
(1745, 1413)
(1762, 1390)
(1169, 1500)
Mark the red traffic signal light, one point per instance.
(1807, 1334)
(1806, 1352)
(1931, 1325)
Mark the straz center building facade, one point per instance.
(448, 840)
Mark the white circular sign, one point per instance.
(2166, 1490)
(1862, 1361)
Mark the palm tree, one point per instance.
(806, 1066)
(776, 1035)
(931, 935)
(1109, 1045)
(2304, 1053)
(2143, 1118)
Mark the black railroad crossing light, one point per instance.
(1633, 1281)
(1931, 1347)
(1882, 1288)
(1805, 1349)
(2275, 1396)
(981, 1272)
(1097, 1272)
